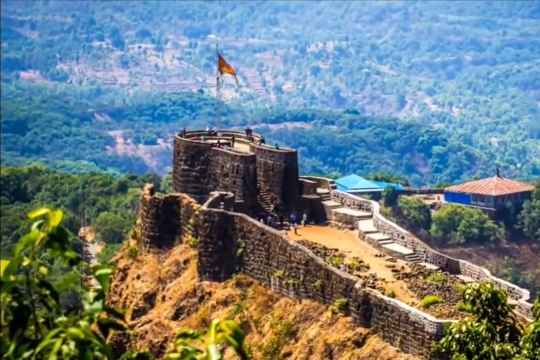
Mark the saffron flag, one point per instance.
(224, 67)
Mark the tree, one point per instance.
(529, 217)
(390, 197)
(455, 224)
(415, 212)
(492, 333)
(110, 227)
(34, 324)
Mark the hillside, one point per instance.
(161, 294)
(467, 71)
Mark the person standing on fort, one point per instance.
(293, 223)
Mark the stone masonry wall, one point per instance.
(277, 174)
(164, 219)
(231, 242)
(234, 172)
(190, 167)
(454, 266)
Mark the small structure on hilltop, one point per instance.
(358, 185)
(490, 194)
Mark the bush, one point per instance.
(430, 300)
(340, 305)
(435, 278)
(415, 213)
(455, 224)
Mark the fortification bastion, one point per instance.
(223, 180)
(263, 178)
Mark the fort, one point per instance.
(225, 180)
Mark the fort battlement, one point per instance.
(220, 178)
(230, 242)
(262, 178)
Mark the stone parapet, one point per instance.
(405, 238)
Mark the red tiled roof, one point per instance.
(493, 186)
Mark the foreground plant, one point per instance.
(220, 334)
(36, 322)
(493, 332)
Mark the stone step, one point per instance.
(366, 226)
(378, 236)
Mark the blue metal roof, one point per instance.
(357, 183)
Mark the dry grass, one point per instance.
(161, 294)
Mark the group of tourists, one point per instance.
(279, 222)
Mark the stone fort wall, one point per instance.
(259, 173)
(449, 264)
(230, 242)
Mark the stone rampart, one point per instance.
(231, 242)
(277, 174)
(454, 266)
(164, 219)
(260, 176)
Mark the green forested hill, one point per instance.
(462, 77)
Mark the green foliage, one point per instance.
(464, 71)
(454, 224)
(436, 278)
(221, 333)
(430, 300)
(337, 260)
(530, 342)
(133, 252)
(390, 197)
(492, 333)
(85, 198)
(389, 178)
(34, 323)
(415, 213)
(529, 217)
(340, 306)
(111, 227)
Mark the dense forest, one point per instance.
(345, 82)
(101, 200)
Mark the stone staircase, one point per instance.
(368, 232)
(265, 201)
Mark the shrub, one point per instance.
(133, 252)
(415, 213)
(193, 242)
(340, 305)
(430, 300)
(435, 278)
(455, 224)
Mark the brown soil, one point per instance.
(424, 282)
(348, 242)
(161, 293)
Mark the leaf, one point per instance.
(3, 267)
(28, 240)
(75, 333)
(38, 213)
(103, 277)
(47, 340)
(55, 218)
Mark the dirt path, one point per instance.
(347, 241)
